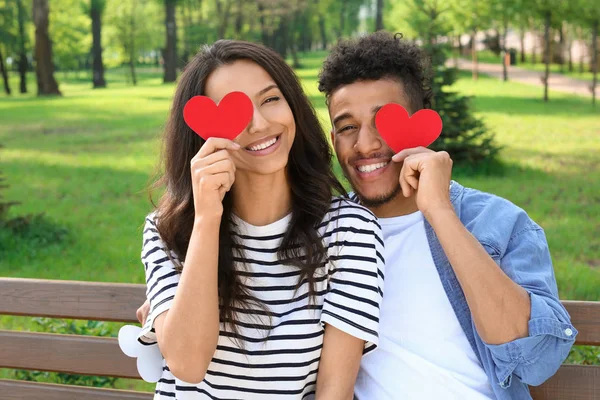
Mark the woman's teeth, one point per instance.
(263, 146)
(371, 167)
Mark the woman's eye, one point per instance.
(271, 99)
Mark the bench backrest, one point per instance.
(87, 355)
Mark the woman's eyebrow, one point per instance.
(265, 90)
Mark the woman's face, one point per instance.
(267, 140)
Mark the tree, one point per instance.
(464, 136)
(550, 13)
(71, 34)
(589, 15)
(96, 10)
(4, 74)
(504, 12)
(44, 67)
(170, 55)
(379, 16)
(23, 63)
(472, 16)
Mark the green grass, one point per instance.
(487, 56)
(84, 161)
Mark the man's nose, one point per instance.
(368, 140)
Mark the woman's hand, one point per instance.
(213, 174)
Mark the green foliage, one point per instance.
(464, 135)
(71, 33)
(93, 328)
(132, 26)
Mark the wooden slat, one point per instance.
(71, 299)
(21, 390)
(585, 317)
(571, 382)
(86, 355)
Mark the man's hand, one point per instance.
(426, 174)
(142, 312)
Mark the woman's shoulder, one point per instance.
(345, 212)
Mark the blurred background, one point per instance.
(87, 87)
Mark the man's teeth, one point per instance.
(371, 167)
(264, 145)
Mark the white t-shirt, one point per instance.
(348, 287)
(423, 352)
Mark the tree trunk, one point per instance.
(281, 38)
(547, 21)
(570, 50)
(98, 66)
(457, 52)
(132, 44)
(522, 40)
(263, 26)
(474, 55)
(561, 48)
(171, 48)
(506, 54)
(239, 20)
(4, 74)
(594, 60)
(223, 14)
(535, 48)
(44, 67)
(23, 64)
(379, 16)
(323, 33)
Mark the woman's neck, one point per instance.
(262, 199)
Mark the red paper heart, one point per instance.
(227, 120)
(403, 132)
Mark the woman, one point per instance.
(257, 277)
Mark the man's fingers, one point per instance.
(404, 185)
(402, 155)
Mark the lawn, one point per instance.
(84, 160)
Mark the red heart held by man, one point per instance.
(401, 131)
(226, 120)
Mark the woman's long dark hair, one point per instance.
(309, 170)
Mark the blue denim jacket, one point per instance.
(519, 247)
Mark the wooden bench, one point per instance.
(101, 356)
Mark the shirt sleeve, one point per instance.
(535, 358)
(355, 285)
(161, 279)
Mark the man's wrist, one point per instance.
(439, 213)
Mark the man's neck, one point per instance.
(396, 207)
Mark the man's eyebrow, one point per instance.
(375, 109)
(341, 117)
(265, 90)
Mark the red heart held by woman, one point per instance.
(226, 120)
(403, 132)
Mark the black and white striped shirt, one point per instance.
(349, 289)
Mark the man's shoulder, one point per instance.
(491, 218)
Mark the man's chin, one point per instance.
(377, 200)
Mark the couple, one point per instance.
(264, 280)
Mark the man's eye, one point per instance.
(271, 99)
(346, 128)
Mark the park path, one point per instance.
(557, 82)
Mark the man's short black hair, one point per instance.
(375, 56)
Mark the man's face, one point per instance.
(364, 156)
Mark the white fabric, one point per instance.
(423, 352)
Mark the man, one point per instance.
(471, 308)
